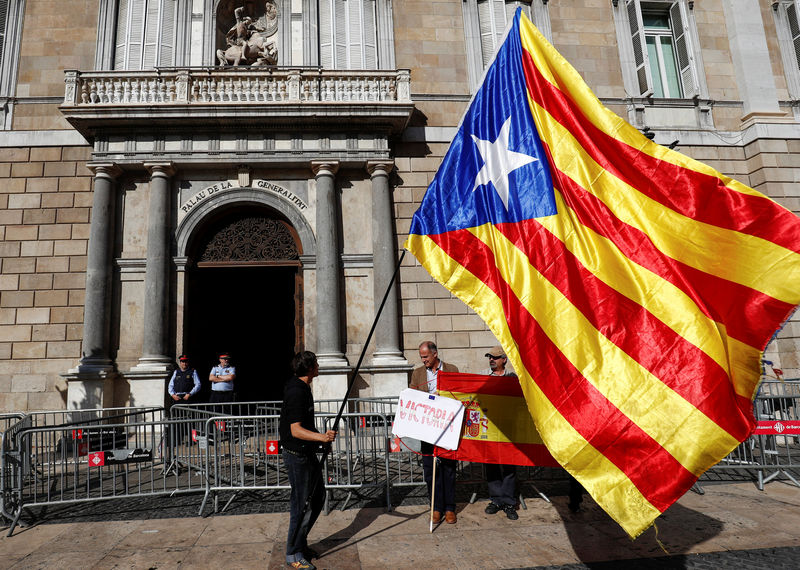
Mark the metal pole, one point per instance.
(350, 383)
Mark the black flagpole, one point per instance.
(353, 375)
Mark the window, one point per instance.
(10, 35)
(664, 59)
(145, 35)
(348, 35)
(787, 24)
(485, 23)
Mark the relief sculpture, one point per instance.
(252, 42)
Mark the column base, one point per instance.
(90, 387)
(153, 365)
(148, 387)
(330, 384)
(390, 374)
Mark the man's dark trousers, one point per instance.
(302, 470)
(502, 483)
(445, 492)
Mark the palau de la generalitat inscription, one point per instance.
(206, 193)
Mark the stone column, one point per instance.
(389, 365)
(90, 385)
(157, 271)
(329, 280)
(751, 61)
(331, 357)
(147, 377)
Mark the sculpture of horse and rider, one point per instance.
(252, 42)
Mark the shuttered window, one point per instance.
(3, 18)
(348, 34)
(145, 34)
(794, 31)
(662, 50)
(493, 19)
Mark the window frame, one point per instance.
(634, 58)
(106, 43)
(382, 35)
(536, 10)
(661, 64)
(789, 43)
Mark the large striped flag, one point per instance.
(497, 426)
(632, 288)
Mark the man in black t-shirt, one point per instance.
(300, 440)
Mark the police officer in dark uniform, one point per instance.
(184, 384)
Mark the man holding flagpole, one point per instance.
(424, 379)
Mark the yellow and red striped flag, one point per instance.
(632, 288)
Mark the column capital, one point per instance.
(380, 167)
(324, 167)
(160, 168)
(104, 169)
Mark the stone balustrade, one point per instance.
(193, 86)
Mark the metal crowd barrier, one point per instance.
(242, 453)
(90, 455)
(773, 449)
(72, 457)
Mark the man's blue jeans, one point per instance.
(302, 470)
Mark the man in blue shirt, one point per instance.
(221, 378)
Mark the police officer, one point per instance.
(221, 378)
(185, 383)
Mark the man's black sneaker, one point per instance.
(511, 512)
(491, 509)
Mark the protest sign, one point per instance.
(430, 418)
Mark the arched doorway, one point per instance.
(244, 296)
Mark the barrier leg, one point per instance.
(14, 523)
(203, 504)
(697, 488)
(789, 475)
(538, 492)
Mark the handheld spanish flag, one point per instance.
(497, 426)
(632, 288)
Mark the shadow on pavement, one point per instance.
(599, 542)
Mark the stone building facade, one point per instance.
(153, 202)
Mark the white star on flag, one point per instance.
(499, 162)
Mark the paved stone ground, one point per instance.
(733, 525)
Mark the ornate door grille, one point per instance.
(251, 240)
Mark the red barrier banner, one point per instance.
(97, 459)
(271, 447)
(777, 427)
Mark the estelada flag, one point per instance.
(632, 287)
(497, 425)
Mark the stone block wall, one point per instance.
(45, 202)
